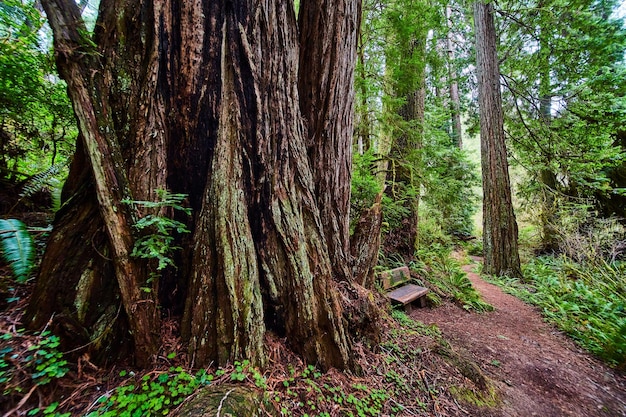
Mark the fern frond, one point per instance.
(18, 248)
(40, 180)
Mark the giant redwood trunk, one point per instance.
(499, 224)
(327, 97)
(206, 99)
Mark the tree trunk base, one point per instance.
(224, 400)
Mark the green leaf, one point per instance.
(51, 408)
(18, 248)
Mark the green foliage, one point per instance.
(156, 393)
(157, 231)
(397, 205)
(30, 362)
(587, 301)
(50, 410)
(399, 60)
(450, 182)
(565, 98)
(355, 400)
(364, 187)
(18, 248)
(37, 127)
(431, 234)
(244, 371)
(47, 361)
(445, 275)
(40, 180)
(41, 363)
(474, 247)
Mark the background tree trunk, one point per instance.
(549, 217)
(406, 65)
(203, 99)
(455, 99)
(499, 225)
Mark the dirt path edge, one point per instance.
(537, 370)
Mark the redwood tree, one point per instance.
(227, 103)
(499, 224)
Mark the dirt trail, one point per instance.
(538, 371)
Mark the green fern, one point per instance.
(40, 180)
(18, 248)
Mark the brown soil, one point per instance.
(537, 370)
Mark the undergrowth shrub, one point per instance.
(364, 187)
(29, 364)
(581, 234)
(446, 277)
(431, 233)
(450, 197)
(152, 394)
(157, 232)
(397, 205)
(474, 247)
(587, 238)
(303, 392)
(587, 301)
(311, 393)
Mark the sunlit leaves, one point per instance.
(570, 53)
(36, 121)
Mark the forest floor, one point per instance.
(507, 362)
(536, 369)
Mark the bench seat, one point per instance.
(409, 293)
(399, 291)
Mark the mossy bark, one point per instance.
(201, 98)
(327, 59)
(224, 400)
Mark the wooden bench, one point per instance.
(407, 293)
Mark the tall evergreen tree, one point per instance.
(499, 225)
(405, 57)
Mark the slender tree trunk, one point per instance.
(546, 176)
(205, 98)
(364, 124)
(75, 61)
(365, 243)
(499, 225)
(455, 100)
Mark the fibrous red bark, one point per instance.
(205, 99)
